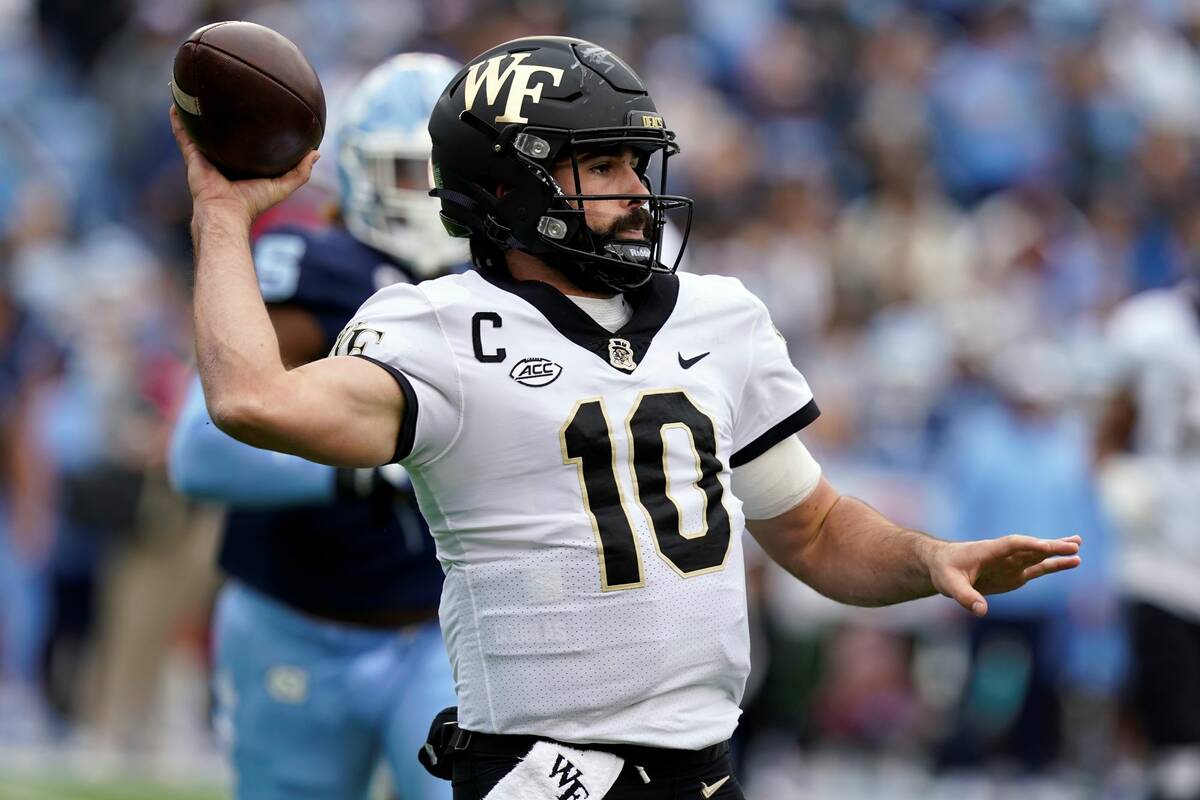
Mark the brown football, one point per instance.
(249, 98)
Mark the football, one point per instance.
(249, 98)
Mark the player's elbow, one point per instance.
(244, 417)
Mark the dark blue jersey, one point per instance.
(328, 273)
(361, 557)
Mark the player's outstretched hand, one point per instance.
(966, 571)
(213, 191)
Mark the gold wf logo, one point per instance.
(650, 121)
(354, 339)
(517, 75)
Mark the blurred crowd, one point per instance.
(941, 201)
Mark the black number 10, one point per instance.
(587, 442)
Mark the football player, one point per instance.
(586, 431)
(1150, 451)
(328, 651)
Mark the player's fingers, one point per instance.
(1028, 557)
(181, 135)
(957, 587)
(1025, 558)
(298, 175)
(1011, 545)
(199, 168)
(308, 165)
(303, 171)
(1060, 547)
(1050, 566)
(181, 138)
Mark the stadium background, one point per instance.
(941, 201)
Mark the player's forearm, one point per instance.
(862, 558)
(236, 348)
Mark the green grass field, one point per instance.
(42, 787)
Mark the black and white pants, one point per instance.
(649, 773)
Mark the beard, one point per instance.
(638, 220)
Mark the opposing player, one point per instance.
(328, 647)
(587, 434)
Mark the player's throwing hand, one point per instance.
(246, 199)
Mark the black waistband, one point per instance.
(519, 746)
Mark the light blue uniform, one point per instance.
(308, 708)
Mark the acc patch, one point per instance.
(535, 372)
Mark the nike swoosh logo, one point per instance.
(705, 789)
(688, 363)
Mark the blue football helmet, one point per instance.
(384, 172)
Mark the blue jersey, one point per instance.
(349, 557)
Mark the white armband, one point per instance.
(777, 481)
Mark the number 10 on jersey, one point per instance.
(587, 443)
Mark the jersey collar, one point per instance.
(623, 350)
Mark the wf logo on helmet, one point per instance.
(487, 74)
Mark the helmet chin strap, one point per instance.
(635, 251)
(604, 277)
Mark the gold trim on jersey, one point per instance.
(662, 433)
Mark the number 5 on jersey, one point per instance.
(587, 443)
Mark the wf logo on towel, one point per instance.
(572, 785)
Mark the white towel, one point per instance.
(553, 772)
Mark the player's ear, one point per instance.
(502, 189)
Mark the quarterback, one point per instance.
(588, 434)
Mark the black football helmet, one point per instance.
(509, 116)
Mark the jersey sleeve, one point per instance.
(1140, 331)
(776, 401)
(398, 330)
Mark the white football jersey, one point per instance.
(577, 484)
(1156, 339)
